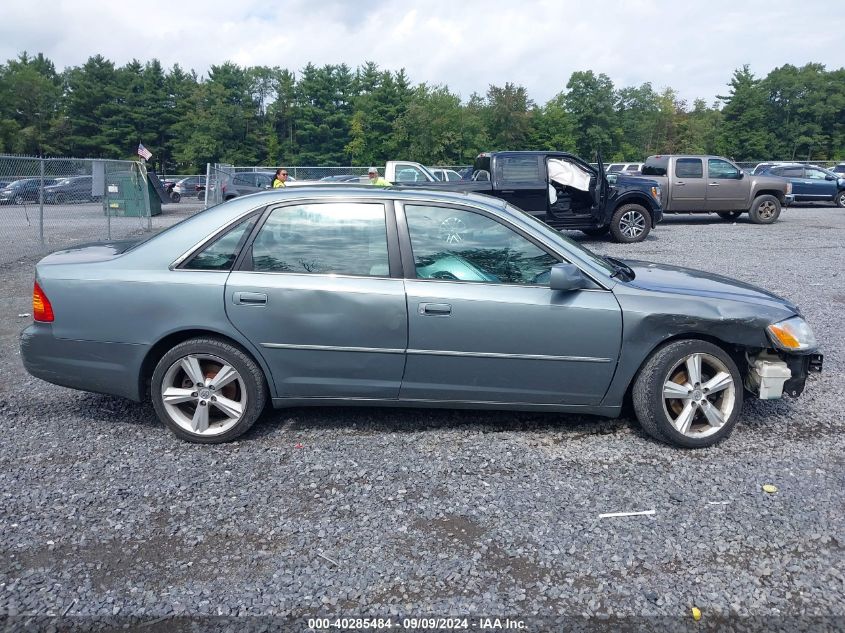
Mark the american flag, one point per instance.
(143, 152)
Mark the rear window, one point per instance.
(689, 168)
(482, 163)
(655, 166)
(519, 169)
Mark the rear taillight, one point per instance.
(41, 308)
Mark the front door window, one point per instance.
(457, 245)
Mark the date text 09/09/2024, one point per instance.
(483, 624)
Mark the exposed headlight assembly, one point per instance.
(792, 335)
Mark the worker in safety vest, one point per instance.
(280, 178)
(375, 179)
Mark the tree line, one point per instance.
(334, 115)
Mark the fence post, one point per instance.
(41, 203)
(142, 168)
(207, 184)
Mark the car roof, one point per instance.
(348, 190)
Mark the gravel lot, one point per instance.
(354, 511)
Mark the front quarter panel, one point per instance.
(650, 318)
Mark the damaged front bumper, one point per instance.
(770, 376)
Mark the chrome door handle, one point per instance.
(678, 182)
(250, 299)
(713, 184)
(435, 309)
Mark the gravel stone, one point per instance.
(436, 512)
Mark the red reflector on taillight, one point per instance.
(41, 308)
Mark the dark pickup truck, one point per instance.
(558, 188)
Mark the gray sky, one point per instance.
(692, 47)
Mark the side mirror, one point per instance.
(741, 175)
(829, 177)
(566, 277)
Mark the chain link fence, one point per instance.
(227, 181)
(47, 204)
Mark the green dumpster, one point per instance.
(125, 195)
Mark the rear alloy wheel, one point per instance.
(840, 199)
(729, 215)
(175, 196)
(19, 199)
(208, 391)
(688, 393)
(765, 210)
(631, 223)
(60, 198)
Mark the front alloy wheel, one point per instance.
(688, 393)
(840, 199)
(630, 223)
(208, 391)
(699, 395)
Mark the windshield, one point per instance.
(586, 253)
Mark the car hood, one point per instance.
(686, 281)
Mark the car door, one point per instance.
(319, 294)
(821, 188)
(483, 324)
(726, 186)
(689, 191)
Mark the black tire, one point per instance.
(765, 210)
(630, 223)
(19, 199)
(651, 408)
(597, 232)
(175, 196)
(60, 198)
(252, 385)
(840, 199)
(729, 215)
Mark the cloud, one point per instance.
(467, 46)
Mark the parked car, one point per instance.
(445, 175)
(712, 184)
(558, 188)
(246, 182)
(341, 178)
(192, 187)
(614, 168)
(329, 295)
(760, 168)
(23, 190)
(839, 169)
(811, 183)
(71, 189)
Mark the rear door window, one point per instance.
(520, 169)
(689, 168)
(346, 238)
